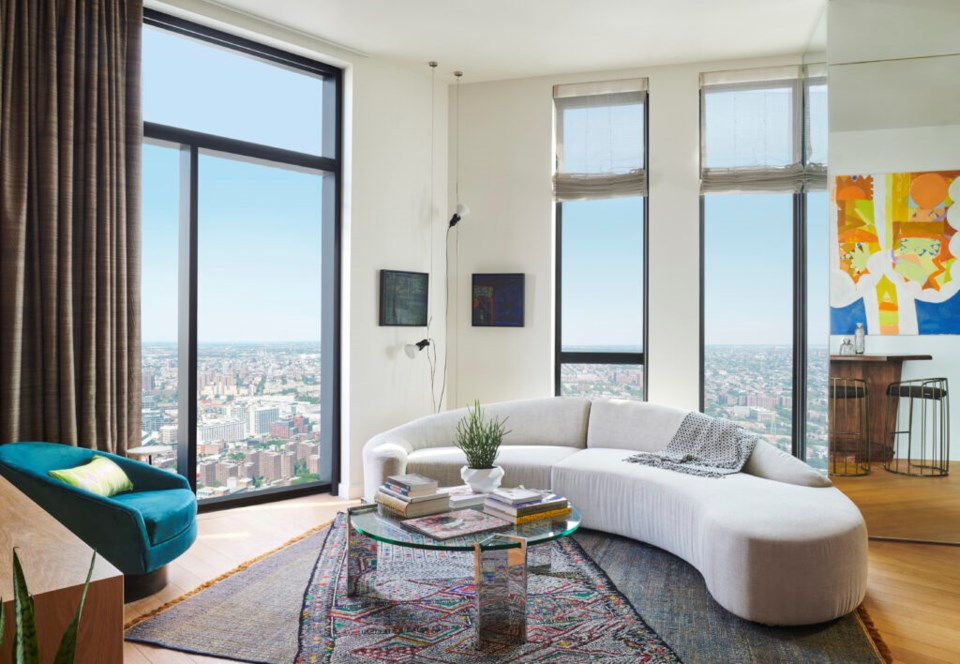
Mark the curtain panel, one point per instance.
(70, 229)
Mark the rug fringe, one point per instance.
(239, 568)
(883, 650)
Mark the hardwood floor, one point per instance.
(913, 591)
(905, 507)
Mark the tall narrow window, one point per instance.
(757, 167)
(241, 171)
(600, 187)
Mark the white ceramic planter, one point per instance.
(482, 480)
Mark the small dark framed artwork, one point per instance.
(497, 300)
(403, 298)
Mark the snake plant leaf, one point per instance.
(25, 649)
(68, 644)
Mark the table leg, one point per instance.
(361, 552)
(500, 582)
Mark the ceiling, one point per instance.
(500, 39)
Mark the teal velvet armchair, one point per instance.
(139, 532)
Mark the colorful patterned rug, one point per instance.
(419, 607)
(262, 614)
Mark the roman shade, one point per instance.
(600, 140)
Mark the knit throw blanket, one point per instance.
(704, 446)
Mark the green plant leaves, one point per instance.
(479, 439)
(68, 644)
(25, 650)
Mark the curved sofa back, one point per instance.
(571, 422)
(550, 421)
(633, 425)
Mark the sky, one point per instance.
(259, 229)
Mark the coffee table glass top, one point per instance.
(387, 528)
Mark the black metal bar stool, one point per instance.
(919, 443)
(848, 443)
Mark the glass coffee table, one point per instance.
(501, 558)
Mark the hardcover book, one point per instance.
(553, 503)
(530, 518)
(391, 490)
(516, 496)
(413, 483)
(406, 508)
(455, 524)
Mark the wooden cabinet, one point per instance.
(55, 563)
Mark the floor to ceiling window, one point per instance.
(240, 261)
(764, 352)
(600, 188)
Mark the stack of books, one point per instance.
(411, 495)
(521, 505)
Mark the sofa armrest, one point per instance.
(770, 463)
(383, 455)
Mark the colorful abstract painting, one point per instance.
(894, 266)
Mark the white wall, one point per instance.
(871, 131)
(388, 221)
(505, 169)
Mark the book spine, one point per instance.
(393, 493)
(535, 508)
(389, 501)
(554, 514)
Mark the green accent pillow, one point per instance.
(101, 476)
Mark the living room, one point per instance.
(400, 151)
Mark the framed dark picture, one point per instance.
(497, 300)
(403, 298)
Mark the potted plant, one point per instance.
(26, 646)
(480, 441)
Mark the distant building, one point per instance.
(313, 464)
(261, 419)
(229, 431)
(210, 449)
(168, 434)
(151, 419)
(270, 466)
(207, 472)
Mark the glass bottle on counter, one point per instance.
(860, 339)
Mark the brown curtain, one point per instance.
(70, 133)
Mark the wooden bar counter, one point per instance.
(55, 564)
(878, 370)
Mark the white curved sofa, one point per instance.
(776, 544)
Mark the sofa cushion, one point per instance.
(632, 425)
(774, 464)
(100, 476)
(528, 465)
(165, 513)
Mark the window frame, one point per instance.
(560, 357)
(799, 354)
(190, 143)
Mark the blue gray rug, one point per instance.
(256, 614)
